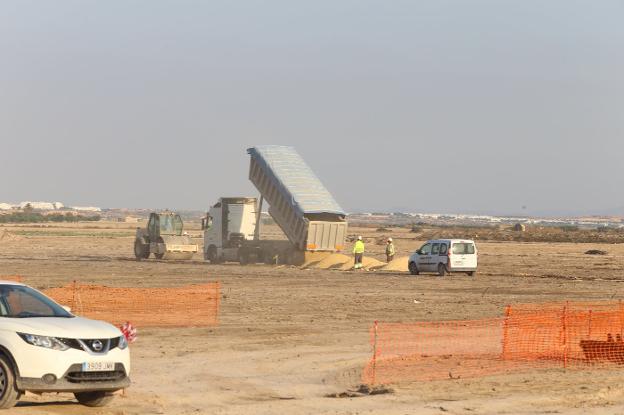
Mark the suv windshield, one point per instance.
(19, 301)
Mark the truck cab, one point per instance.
(227, 225)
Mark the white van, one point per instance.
(445, 255)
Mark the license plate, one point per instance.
(98, 366)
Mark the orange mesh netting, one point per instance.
(533, 336)
(14, 278)
(187, 306)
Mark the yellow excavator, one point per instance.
(164, 237)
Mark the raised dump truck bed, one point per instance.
(298, 202)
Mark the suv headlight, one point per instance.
(123, 342)
(44, 341)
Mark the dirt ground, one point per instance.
(290, 336)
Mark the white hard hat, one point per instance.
(389, 239)
(359, 238)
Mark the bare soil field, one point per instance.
(290, 336)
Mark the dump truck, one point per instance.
(309, 216)
(164, 237)
(231, 230)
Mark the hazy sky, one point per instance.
(438, 106)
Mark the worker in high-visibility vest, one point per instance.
(358, 252)
(389, 250)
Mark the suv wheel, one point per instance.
(94, 399)
(8, 393)
(413, 269)
(441, 270)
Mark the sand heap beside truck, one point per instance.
(303, 208)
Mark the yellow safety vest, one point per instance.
(358, 248)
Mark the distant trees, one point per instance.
(29, 216)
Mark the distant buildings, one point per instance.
(86, 208)
(48, 206)
(42, 205)
(403, 219)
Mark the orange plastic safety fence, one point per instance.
(573, 334)
(568, 335)
(187, 306)
(14, 278)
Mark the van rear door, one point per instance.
(463, 255)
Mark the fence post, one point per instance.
(506, 333)
(74, 305)
(589, 321)
(564, 323)
(217, 299)
(374, 353)
(621, 310)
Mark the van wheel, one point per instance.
(471, 273)
(94, 399)
(441, 270)
(8, 393)
(413, 269)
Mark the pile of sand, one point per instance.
(372, 263)
(8, 236)
(397, 264)
(334, 261)
(343, 262)
(367, 263)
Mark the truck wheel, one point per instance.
(94, 399)
(441, 270)
(8, 393)
(256, 256)
(269, 257)
(141, 250)
(243, 258)
(471, 273)
(211, 255)
(413, 269)
(288, 257)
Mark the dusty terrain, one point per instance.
(290, 336)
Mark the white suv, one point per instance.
(44, 348)
(445, 255)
